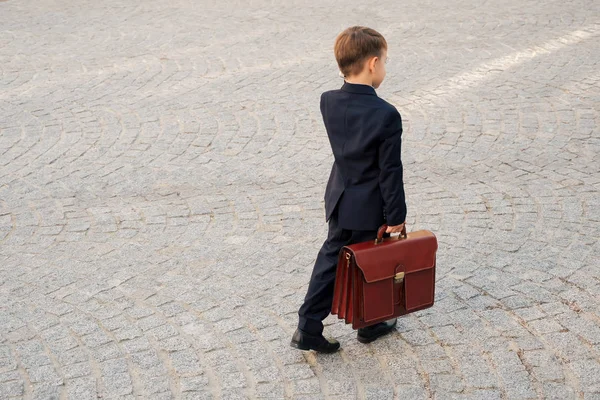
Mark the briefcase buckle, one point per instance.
(399, 277)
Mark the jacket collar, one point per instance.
(358, 88)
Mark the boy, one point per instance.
(365, 188)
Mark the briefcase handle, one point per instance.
(382, 230)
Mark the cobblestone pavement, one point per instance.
(162, 169)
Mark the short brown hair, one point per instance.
(354, 45)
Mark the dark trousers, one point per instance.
(318, 299)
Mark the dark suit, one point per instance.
(365, 187)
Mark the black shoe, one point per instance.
(303, 341)
(370, 333)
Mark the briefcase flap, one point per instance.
(393, 255)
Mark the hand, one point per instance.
(396, 228)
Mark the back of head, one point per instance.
(354, 45)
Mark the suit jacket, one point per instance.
(365, 133)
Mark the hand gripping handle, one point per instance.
(382, 230)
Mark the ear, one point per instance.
(372, 62)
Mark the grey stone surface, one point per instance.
(162, 168)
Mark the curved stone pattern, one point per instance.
(162, 167)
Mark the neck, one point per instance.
(361, 80)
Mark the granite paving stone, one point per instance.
(162, 170)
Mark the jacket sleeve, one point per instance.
(391, 180)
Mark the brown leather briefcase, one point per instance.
(385, 278)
